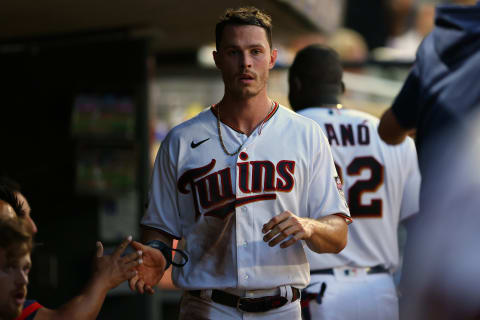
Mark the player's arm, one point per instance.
(153, 267)
(160, 224)
(390, 130)
(400, 120)
(109, 272)
(324, 235)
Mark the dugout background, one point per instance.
(87, 92)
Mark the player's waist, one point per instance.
(251, 300)
(351, 270)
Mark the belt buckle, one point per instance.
(251, 305)
(239, 303)
(260, 304)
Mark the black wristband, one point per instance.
(167, 253)
(166, 250)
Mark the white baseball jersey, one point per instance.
(217, 204)
(381, 184)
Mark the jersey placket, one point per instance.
(244, 222)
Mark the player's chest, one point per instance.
(251, 170)
(254, 174)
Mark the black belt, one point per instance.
(372, 270)
(261, 304)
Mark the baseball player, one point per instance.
(109, 272)
(382, 186)
(440, 100)
(15, 247)
(441, 89)
(239, 185)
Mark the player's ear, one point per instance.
(342, 85)
(273, 58)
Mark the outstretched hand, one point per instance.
(150, 272)
(112, 270)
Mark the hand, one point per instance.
(284, 225)
(150, 272)
(114, 269)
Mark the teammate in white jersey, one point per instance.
(382, 187)
(239, 185)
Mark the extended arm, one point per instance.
(325, 235)
(110, 271)
(402, 117)
(153, 267)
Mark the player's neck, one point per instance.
(323, 102)
(244, 115)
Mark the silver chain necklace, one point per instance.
(220, 131)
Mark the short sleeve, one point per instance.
(325, 194)
(162, 209)
(406, 106)
(411, 191)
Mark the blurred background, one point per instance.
(88, 90)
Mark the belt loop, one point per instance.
(289, 291)
(206, 294)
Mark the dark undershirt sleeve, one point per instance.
(406, 106)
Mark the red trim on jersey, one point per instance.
(275, 108)
(161, 231)
(348, 219)
(29, 310)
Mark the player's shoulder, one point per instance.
(358, 117)
(296, 126)
(321, 114)
(190, 126)
(290, 117)
(363, 116)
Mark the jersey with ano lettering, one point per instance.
(381, 184)
(216, 205)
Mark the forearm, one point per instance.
(85, 306)
(390, 129)
(109, 272)
(329, 234)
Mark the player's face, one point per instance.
(26, 207)
(245, 59)
(13, 284)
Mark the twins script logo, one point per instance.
(213, 192)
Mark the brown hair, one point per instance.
(7, 194)
(14, 238)
(244, 16)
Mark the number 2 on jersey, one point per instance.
(355, 191)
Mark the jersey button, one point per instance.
(245, 244)
(245, 277)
